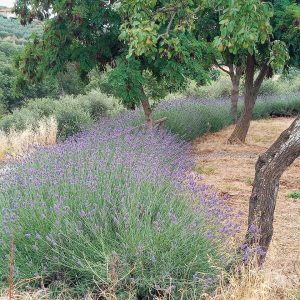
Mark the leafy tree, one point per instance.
(163, 48)
(249, 35)
(144, 43)
(14, 87)
(234, 29)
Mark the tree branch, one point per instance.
(221, 68)
(239, 72)
(168, 27)
(259, 79)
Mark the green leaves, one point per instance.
(125, 81)
(279, 55)
(149, 27)
(243, 24)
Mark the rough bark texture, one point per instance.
(269, 169)
(147, 110)
(251, 90)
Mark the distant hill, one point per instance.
(12, 30)
(12, 39)
(6, 12)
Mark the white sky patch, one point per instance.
(7, 3)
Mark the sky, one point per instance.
(8, 3)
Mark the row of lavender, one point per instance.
(112, 208)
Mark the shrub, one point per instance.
(190, 118)
(71, 118)
(278, 85)
(271, 87)
(43, 107)
(71, 112)
(2, 109)
(99, 104)
(216, 89)
(282, 106)
(19, 120)
(114, 211)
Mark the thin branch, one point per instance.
(168, 27)
(167, 9)
(239, 72)
(220, 67)
(170, 23)
(259, 79)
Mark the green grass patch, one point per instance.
(294, 195)
(205, 170)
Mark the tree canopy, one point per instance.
(160, 43)
(142, 42)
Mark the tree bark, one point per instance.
(269, 168)
(234, 100)
(147, 109)
(235, 74)
(251, 91)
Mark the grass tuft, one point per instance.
(294, 195)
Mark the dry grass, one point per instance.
(250, 284)
(235, 166)
(19, 143)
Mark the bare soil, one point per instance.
(231, 168)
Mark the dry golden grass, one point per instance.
(250, 284)
(19, 143)
(235, 168)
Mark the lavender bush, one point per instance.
(192, 117)
(117, 210)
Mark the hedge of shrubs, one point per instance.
(71, 112)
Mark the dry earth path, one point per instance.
(230, 168)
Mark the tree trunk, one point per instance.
(235, 73)
(269, 169)
(147, 110)
(241, 129)
(251, 90)
(235, 90)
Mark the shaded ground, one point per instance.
(230, 168)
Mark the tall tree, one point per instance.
(161, 36)
(248, 38)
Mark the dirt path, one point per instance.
(230, 168)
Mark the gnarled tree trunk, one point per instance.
(269, 169)
(251, 91)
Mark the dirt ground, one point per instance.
(230, 168)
